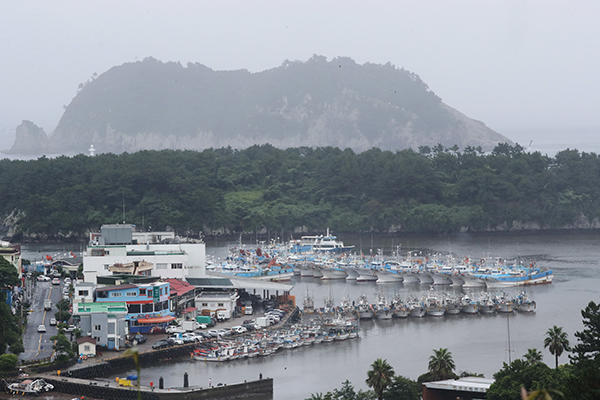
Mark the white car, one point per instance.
(239, 329)
(41, 328)
(174, 329)
(52, 321)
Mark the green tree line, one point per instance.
(262, 188)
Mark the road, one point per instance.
(38, 345)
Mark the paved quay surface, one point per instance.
(155, 337)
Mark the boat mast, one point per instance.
(508, 330)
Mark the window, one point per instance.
(131, 294)
(147, 308)
(157, 306)
(86, 347)
(220, 305)
(177, 266)
(97, 252)
(83, 293)
(102, 295)
(142, 292)
(161, 266)
(161, 291)
(134, 308)
(204, 304)
(97, 327)
(115, 294)
(106, 267)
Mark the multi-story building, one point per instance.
(148, 305)
(119, 247)
(105, 322)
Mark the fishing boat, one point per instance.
(469, 306)
(504, 304)
(29, 387)
(351, 274)
(382, 308)
(388, 276)
(399, 309)
(333, 273)
(486, 304)
(435, 306)
(366, 275)
(453, 305)
(517, 277)
(417, 308)
(524, 304)
(365, 311)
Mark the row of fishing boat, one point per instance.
(325, 257)
(266, 343)
(483, 274)
(428, 304)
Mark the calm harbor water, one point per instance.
(479, 343)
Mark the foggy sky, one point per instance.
(524, 68)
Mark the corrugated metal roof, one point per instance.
(210, 282)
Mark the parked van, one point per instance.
(248, 310)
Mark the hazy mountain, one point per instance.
(155, 105)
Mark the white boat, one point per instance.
(410, 277)
(425, 278)
(453, 305)
(382, 308)
(456, 279)
(486, 304)
(505, 304)
(435, 306)
(399, 309)
(518, 277)
(417, 308)
(440, 278)
(524, 304)
(351, 274)
(306, 271)
(29, 387)
(472, 281)
(366, 275)
(317, 273)
(388, 276)
(365, 311)
(469, 306)
(333, 273)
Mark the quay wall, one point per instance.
(256, 390)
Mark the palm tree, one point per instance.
(556, 341)
(441, 364)
(533, 356)
(380, 376)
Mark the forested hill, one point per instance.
(264, 188)
(154, 105)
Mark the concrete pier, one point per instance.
(257, 390)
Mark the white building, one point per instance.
(120, 244)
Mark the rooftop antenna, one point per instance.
(123, 206)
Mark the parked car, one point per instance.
(173, 341)
(139, 338)
(52, 321)
(41, 328)
(174, 329)
(239, 329)
(214, 333)
(161, 344)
